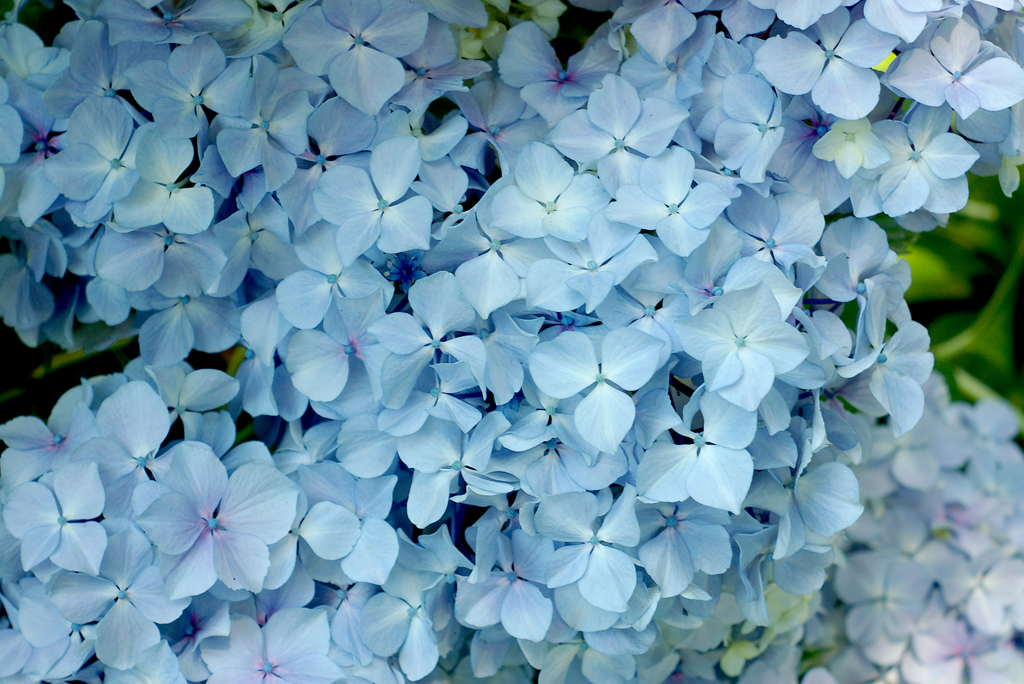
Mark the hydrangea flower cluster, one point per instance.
(550, 360)
(932, 589)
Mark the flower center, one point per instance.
(109, 92)
(411, 612)
(276, 16)
(740, 341)
(861, 288)
(648, 311)
(673, 208)
(382, 204)
(850, 137)
(39, 146)
(168, 16)
(140, 462)
(510, 514)
(61, 520)
(915, 155)
(761, 128)
(821, 130)
(185, 299)
(699, 441)
(212, 524)
(265, 125)
(115, 163)
(619, 144)
(882, 358)
(562, 75)
(671, 66)
(268, 668)
(254, 236)
(493, 129)
(495, 244)
(511, 577)
(436, 344)
(435, 392)
(332, 278)
(592, 265)
(594, 540)
(957, 75)
(57, 439)
(672, 522)
(420, 71)
(829, 54)
(549, 207)
(717, 292)
(769, 243)
(249, 353)
(121, 595)
(198, 100)
(349, 349)
(321, 159)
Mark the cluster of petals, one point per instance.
(538, 364)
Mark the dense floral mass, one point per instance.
(581, 367)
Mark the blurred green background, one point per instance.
(967, 278)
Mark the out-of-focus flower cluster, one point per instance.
(932, 585)
(555, 366)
